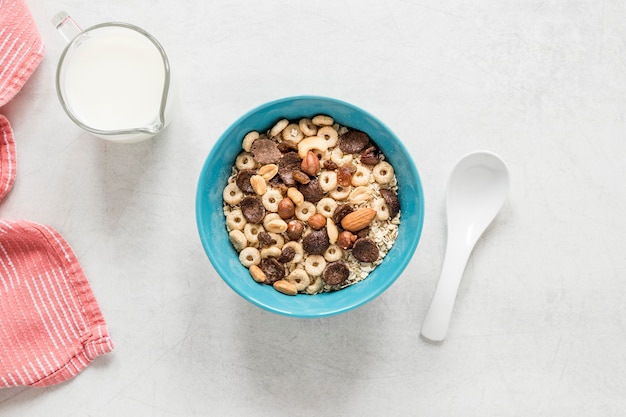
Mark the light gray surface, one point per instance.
(539, 326)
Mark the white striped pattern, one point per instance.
(51, 327)
(21, 48)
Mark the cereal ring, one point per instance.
(245, 161)
(278, 127)
(382, 211)
(238, 240)
(323, 120)
(249, 256)
(305, 210)
(326, 207)
(292, 133)
(235, 220)
(329, 134)
(315, 287)
(333, 253)
(232, 194)
(250, 137)
(361, 176)
(277, 240)
(338, 157)
(314, 265)
(383, 172)
(271, 252)
(328, 180)
(251, 232)
(299, 278)
(307, 127)
(271, 198)
(297, 247)
(340, 193)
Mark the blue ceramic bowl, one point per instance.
(211, 223)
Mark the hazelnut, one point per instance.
(294, 229)
(286, 208)
(345, 239)
(317, 221)
(310, 164)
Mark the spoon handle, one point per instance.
(437, 319)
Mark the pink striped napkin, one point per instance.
(51, 327)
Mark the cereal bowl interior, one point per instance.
(214, 235)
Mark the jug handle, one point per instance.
(66, 26)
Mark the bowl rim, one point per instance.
(355, 302)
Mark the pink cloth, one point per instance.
(51, 327)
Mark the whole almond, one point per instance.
(310, 164)
(359, 219)
(286, 208)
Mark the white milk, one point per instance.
(114, 80)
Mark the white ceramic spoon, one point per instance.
(476, 190)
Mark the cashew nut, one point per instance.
(310, 143)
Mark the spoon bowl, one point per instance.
(477, 188)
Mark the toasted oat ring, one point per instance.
(316, 286)
(299, 278)
(383, 172)
(329, 134)
(249, 256)
(297, 247)
(327, 180)
(271, 198)
(341, 193)
(279, 127)
(382, 211)
(251, 231)
(277, 240)
(305, 210)
(292, 133)
(338, 157)
(323, 120)
(333, 253)
(314, 265)
(271, 252)
(232, 194)
(326, 207)
(245, 160)
(235, 220)
(307, 127)
(250, 137)
(361, 176)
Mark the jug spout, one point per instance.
(66, 26)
